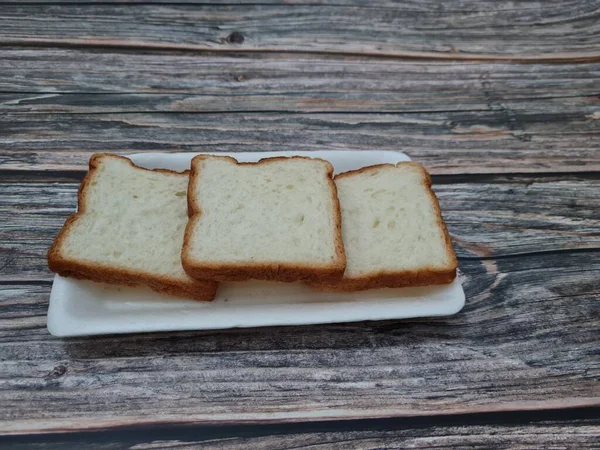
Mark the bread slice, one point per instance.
(278, 219)
(393, 231)
(128, 230)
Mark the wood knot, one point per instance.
(235, 38)
(57, 372)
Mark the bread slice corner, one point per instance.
(393, 231)
(128, 230)
(276, 219)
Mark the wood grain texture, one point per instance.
(579, 434)
(514, 149)
(574, 435)
(557, 31)
(465, 6)
(513, 137)
(76, 80)
(502, 216)
(497, 354)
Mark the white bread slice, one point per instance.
(393, 231)
(278, 219)
(128, 230)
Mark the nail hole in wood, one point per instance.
(235, 38)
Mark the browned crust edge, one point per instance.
(407, 278)
(236, 271)
(198, 290)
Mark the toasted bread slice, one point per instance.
(393, 231)
(128, 230)
(278, 219)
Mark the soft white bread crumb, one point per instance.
(392, 229)
(276, 219)
(129, 229)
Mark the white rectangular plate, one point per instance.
(79, 308)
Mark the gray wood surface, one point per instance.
(496, 355)
(516, 138)
(498, 216)
(558, 31)
(499, 99)
(83, 81)
(525, 437)
(578, 434)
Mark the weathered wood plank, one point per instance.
(555, 31)
(499, 217)
(568, 433)
(513, 137)
(527, 339)
(71, 80)
(554, 435)
(466, 6)
(497, 354)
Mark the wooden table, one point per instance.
(499, 99)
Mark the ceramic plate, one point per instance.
(79, 308)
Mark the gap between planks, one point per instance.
(189, 430)
(113, 44)
(70, 425)
(56, 175)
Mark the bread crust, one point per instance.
(401, 278)
(236, 271)
(198, 290)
